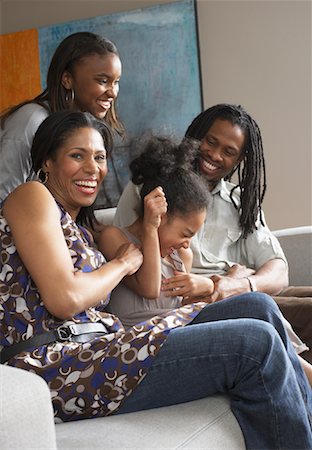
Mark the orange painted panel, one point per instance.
(19, 67)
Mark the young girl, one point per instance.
(174, 201)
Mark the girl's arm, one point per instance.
(34, 220)
(146, 281)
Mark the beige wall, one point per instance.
(256, 53)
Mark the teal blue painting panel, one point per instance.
(160, 89)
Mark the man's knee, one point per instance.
(260, 302)
(260, 340)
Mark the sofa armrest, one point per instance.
(26, 413)
(297, 245)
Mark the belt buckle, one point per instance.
(64, 333)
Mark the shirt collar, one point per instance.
(223, 188)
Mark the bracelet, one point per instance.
(252, 284)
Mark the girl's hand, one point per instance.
(131, 256)
(187, 285)
(155, 206)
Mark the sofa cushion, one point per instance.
(202, 424)
(26, 413)
(297, 245)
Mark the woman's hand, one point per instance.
(155, 206)
(131, 256)
(187, 285)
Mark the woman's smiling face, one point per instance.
(75, 175)
(95, 83)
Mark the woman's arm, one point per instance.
(16, 139)
(34, 219)
(146, 281)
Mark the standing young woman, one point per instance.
(83, 75)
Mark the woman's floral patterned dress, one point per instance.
(89, 379)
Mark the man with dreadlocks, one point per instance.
(234, 246)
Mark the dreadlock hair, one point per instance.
(250, 170)
(171, 166)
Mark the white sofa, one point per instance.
(26, 413)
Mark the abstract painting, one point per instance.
(160, 89)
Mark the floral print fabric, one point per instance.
(89, 379)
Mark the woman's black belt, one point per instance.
(78, 332)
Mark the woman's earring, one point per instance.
(42, 176)
(70, 96)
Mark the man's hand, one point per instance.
(226, 286)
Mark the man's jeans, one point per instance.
(239, 347)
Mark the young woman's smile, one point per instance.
(95, 83)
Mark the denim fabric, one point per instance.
(236, 347)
